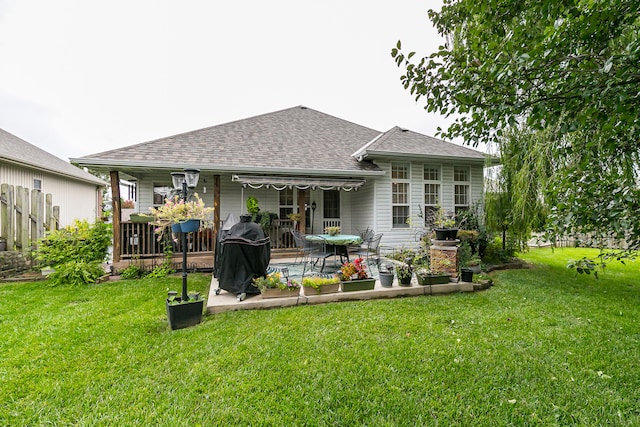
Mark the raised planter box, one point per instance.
(183, 315)
(435, 279)
(324, 289)
(358, 285)
(279, 293)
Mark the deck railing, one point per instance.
(139, 240)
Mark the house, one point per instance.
(76, 193)
(302, 160)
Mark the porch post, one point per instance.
(303, 214)
(116, 210)
(216, 208)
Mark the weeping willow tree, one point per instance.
(514, 201)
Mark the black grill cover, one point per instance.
(244, 255)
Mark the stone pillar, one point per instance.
(444, 257)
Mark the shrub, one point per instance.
(76, 273)
(81, 241)
(133, 271)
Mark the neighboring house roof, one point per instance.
(294, 141)
(399, 142)
(21, 153)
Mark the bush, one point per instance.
(81, 242)
(133, 271)
(76, 273)
(76, 252)
(494, 253)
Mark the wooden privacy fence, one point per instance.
(25, 215)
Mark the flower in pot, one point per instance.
(332, 231)
(404, 273)
(354, 277)
(177, 211)
(273, 285)
(320, 285)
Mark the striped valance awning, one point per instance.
(302, 183)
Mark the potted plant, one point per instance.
(354, 277)
(182, 314)
(184, 216)
(315, 285)
(386, 275)
(445, 226)
(404, 273)
(466, 274)
(272, 286)
(428, 277)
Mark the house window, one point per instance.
(461, 188)
(160, 192)
(400, 194)
(331, 204)
(37, 184)
(432, 188)
(286, 203)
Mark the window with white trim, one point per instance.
(432, 188)
(285, 203)
(400, 184)
(461, 187)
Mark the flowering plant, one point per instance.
(317, 281)
(177, 210)
(353, 270)
(332, 231)
(273, 281)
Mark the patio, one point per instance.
(227, 301)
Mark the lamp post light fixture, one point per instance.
(313, 214)
(183, 181)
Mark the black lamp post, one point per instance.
(313, 214)
(183, 181)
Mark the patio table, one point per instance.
(338, 243)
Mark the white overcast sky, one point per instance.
(79, 77)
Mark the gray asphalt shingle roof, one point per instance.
(19, 151)
(296, 140)
(398, 141)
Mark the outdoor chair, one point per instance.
(311, 251)
(371, 249)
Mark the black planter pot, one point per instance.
(466, 275)
(183, 315)
(452, 233)
(441, 233)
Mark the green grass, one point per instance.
(542, 347)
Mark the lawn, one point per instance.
(542, 347)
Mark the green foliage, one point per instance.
(498, 252)
(556, 84)
(252, 205)
(80, 241)
(132, 271)
(76, 273)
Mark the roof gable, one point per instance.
(403, 142)
(20, 152)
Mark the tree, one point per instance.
(567, 68)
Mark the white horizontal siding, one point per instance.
(77, 200)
